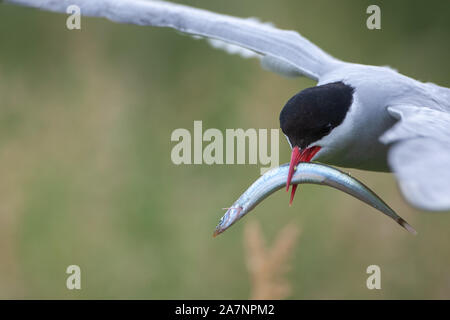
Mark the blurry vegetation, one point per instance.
(267, 265)
(86, 177)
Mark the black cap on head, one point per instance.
(312, 113)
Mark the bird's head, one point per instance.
(311, 115)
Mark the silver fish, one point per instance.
(306, 172)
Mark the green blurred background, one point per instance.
(86, 176)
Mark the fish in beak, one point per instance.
(311, 173)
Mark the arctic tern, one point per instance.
(358, 116)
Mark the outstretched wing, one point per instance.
(282, 51)
(420, 155)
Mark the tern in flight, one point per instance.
(358, 116)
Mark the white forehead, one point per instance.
(287, 138)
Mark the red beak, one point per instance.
(295, 159)
(298, 156)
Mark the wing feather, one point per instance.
(420, 155)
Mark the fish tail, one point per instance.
(406, 225)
